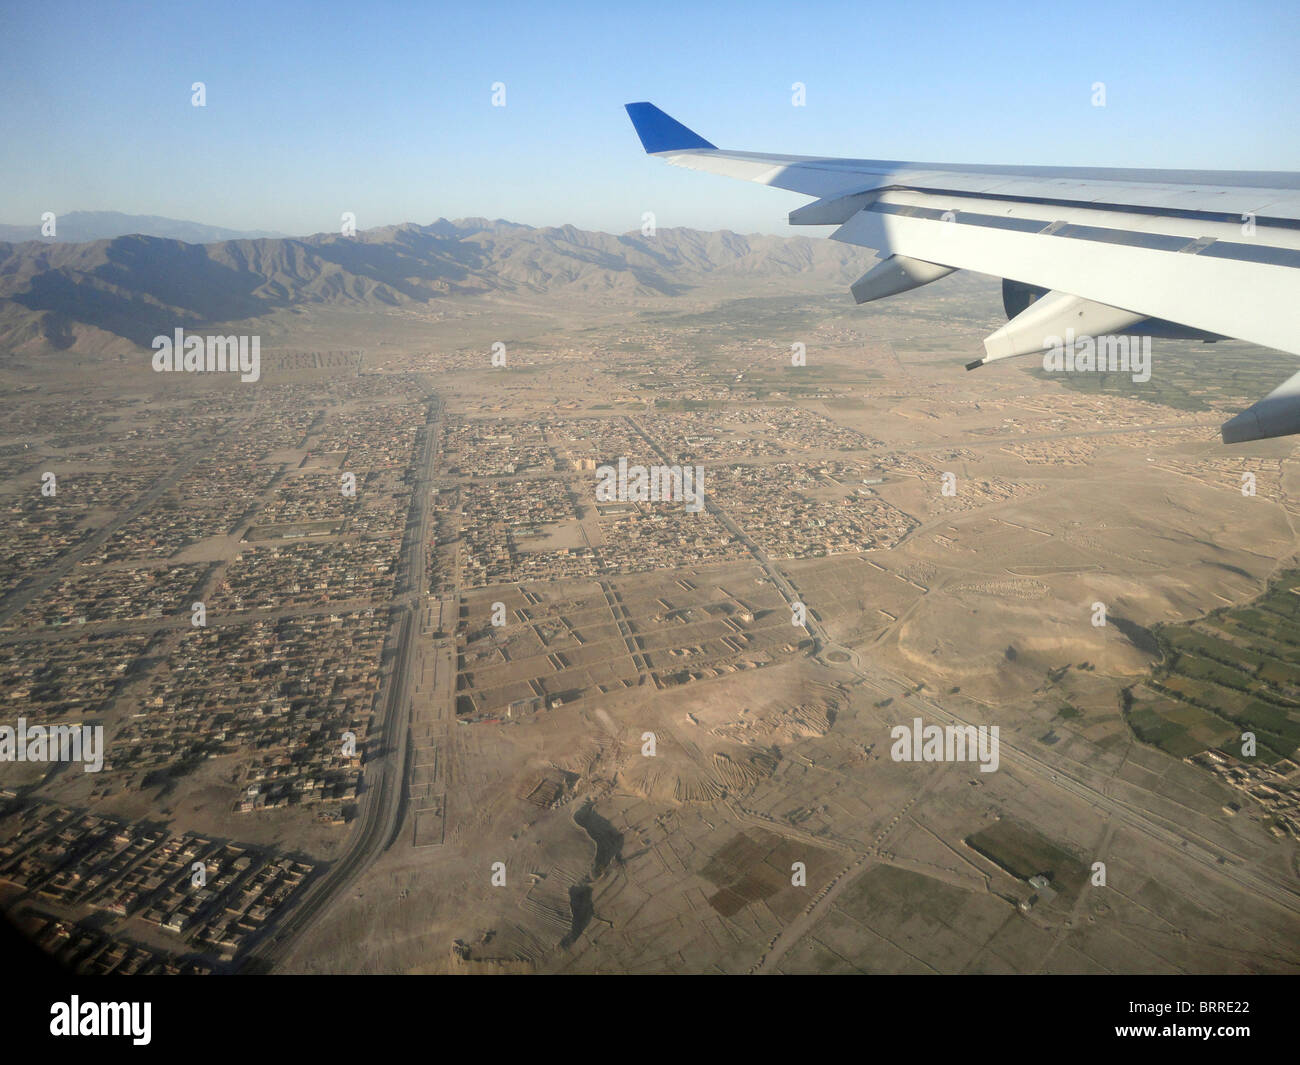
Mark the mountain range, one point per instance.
(134, 287)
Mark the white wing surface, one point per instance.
(1083, 251)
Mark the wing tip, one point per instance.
(660, 132)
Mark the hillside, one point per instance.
(131, 288)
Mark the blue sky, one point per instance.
(384, 109)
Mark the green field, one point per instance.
(1023, 853)
(1188, 375)
(1236, 670)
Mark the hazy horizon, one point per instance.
(359, 117)
(784, 231)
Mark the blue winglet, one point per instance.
(660, 133)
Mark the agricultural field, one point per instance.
(1236, 669)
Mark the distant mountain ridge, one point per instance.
(137, 287)
(77, 227)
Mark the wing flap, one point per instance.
(1154, 271)
(1218, 250)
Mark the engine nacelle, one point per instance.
(1277, 414)
(1016, 296)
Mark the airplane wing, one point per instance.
(1083, 251)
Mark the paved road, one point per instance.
(380, 805)
(1279, 892)
(1283, 894)
(378, 820)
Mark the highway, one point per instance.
(1181, 841)
(379, 805)
(1281, 893)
